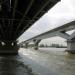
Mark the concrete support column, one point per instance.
(9, 48)
(26, 45)
(36, 46)
(36, 43)
(0, 45)
(71, 46)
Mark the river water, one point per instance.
(49, 61)
(45, 61)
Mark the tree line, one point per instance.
(53, 45)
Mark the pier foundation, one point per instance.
(36, 44)
(26, 45)
(71, 46)
(8, 48)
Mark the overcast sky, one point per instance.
(63, 12)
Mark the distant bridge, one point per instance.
(16, 16)
(59, 31)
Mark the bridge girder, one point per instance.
(60, 31)
(18, 15)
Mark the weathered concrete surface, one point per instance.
(36, 44)
(71, 46)
(8, 48)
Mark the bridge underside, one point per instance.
(16, 16)
(8, 48)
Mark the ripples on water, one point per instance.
(51, 61)
(45, 61)
(13, 65)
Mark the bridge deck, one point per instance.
(16, 16)
(54, 32)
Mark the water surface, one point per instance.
(45, 61)
(49, 61)
(13, 65)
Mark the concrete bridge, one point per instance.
(59, 31)
(16, 16)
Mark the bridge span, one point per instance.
(59, 31)
(16, 16)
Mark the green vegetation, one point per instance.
(53, 45)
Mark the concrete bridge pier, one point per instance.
(71, 46)
(26, 45)
(8, 47)
(36, 43)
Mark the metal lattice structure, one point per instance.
(16, 16)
